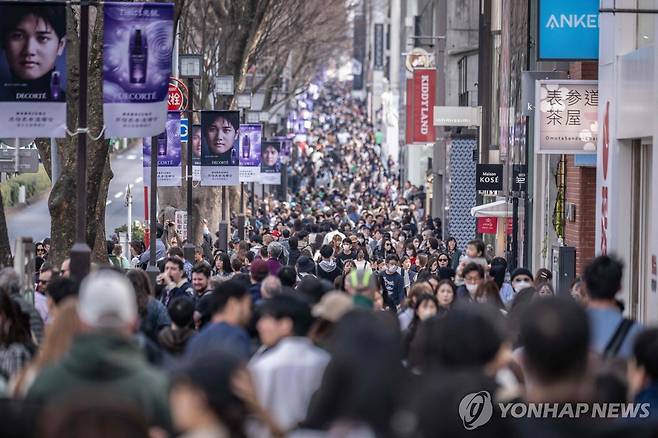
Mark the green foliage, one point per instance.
(138, 230)
(35, 184)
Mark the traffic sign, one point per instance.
(184, 127)
(177, 95)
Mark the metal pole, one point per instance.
(252, 195)
(80, 252)
(189, 246)
(129, 197)
(284, 183)
(54, 161)
(152, 269)
(223, 226)
(515, 233)
(241, 218)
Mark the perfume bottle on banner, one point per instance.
(246, 146)
(138, 58)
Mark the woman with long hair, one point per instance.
(152, 313)
(488, 293)
(445, 293)
(222, 266)
(56, 342)
(426, 307)
(16, 346)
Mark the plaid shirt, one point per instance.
(13, 358)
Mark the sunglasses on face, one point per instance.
(443, 260)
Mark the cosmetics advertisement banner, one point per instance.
(195, 138)
(137, 44)
(220, 134)
(168, 148)
(270, 168)
(33, 70)
(250, 139)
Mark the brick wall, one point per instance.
(581, 190)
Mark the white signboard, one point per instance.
(566, 113)
(457, 115)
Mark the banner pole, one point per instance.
(190, 244)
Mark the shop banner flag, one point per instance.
(250, 139)
(168, 148)
(33, 70)
(270, 167)
(423, 101)
(137, 45)
(220, 134)
(195, 138)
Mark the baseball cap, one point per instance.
(107, 300)
(333, 306)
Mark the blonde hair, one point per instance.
(56, 343)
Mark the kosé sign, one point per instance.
(489, 177)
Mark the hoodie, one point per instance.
(328, 270)
(105, 361)
(174, 341)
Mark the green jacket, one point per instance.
(109, 363)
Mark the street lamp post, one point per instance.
(152, 270)
(244, 102)
(80, 252)
(190, 68)
(224, 86)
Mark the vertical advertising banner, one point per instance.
(137, 44)
(168, 148)
(270, 168)
(250, 140)
(195, 138)
(33, 70)
(424, 86)
(378, 59)
(220, 138)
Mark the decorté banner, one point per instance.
(270, 167)
(250, 140)
(168, 148)
(220, 134)
(33, 70)
(137, 46)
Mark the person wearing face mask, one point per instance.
(521, 279)
(473, 275)
(346, 252)
(393, 283)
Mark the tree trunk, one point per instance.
(5, 246)
(62, 202)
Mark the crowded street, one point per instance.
(334, 255)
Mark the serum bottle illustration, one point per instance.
(162, 145)
(246, 146)
(138, 58)
(55, 86)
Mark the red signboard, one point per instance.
(487, 225)
(177, 96)
(409, 118)
(422, 108)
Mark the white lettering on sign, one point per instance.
(424, 104)
(586, 21)
(489, 177)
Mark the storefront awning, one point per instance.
(501, 208)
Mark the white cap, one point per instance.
(107, 300)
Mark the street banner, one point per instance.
(195, 138)
(33, 70)
(423, 101)
(487, 225)
(270, 168)
(250, 140)
(220, 134)
(137, 44)
(168, 148)
(489, 177)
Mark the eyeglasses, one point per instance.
(443, 260)
(40, 250)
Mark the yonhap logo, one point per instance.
(476, 409)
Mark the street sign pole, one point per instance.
(189, 247)
(152, 270)
(80, 252)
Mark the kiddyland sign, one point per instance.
(422, 106)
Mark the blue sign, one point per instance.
(568, 30)
(184, 127)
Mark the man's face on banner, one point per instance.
(196, 142)
(270, 156)
(32, 48)
(220, 136)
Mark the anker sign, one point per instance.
(489, 177)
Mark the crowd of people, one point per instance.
(346, 313)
